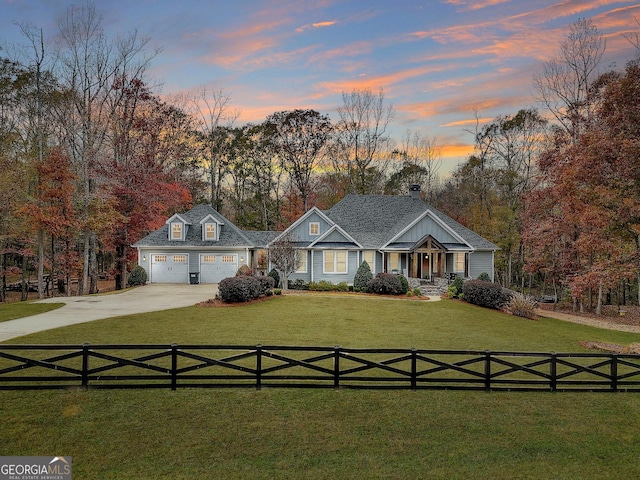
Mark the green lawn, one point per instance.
(11, 311)
(295, 434)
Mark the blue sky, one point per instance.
(438, 61)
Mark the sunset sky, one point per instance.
(438, 61)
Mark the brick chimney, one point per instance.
(414, 191)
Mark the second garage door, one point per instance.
(214, 268)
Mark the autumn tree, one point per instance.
(51, 212)
(90, 65)
(583, 221)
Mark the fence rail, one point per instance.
(240, 366)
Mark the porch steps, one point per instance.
(436, 287)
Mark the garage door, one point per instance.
(169, 268)
(214, 268)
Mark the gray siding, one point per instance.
(480, 262)
(352, 267)
(427, 226)
(301, 231)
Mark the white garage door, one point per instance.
(214, 268)
(170, 268)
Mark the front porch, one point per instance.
(427, 260)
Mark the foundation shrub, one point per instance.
(485, 294)
(242, 288)
(385, 284)
(362, 278)
(138, 276)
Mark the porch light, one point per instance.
(144, 258)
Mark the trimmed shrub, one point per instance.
(298, 284)
(417, 292)
(138, 276)
(325, 286)
(484, 276)
(404, 282)
(276, 277)
(277, 291)
(455, 289)
(521, 306)
(385, 284)
(239, 289)
(266, 285)
(485, 294)
(363, 276)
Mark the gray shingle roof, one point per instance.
(230, 235)
(373, 220)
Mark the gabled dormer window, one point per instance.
(176, 231)
(211, 227)
(177, 228)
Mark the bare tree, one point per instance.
(283, 254)
(423, 156)
(563, 85)
(90, 67)
(215, 117)
(300, 137)
(364, 118)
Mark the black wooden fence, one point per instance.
(224, 366)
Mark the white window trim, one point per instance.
(372, 264)
(335, 262)
(311, 234)
(302, 253)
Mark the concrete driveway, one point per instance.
(149, 298)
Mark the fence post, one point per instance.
(85, 366)
(259, 366)
(553, 372)
(174, 366)
(614, 372)
(414, 368)
(336, 366)
(487, 370)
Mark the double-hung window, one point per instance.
(314, 229)
(176, 231)
(335, 261)
(458, 259)
(301, 261)
(210, 231)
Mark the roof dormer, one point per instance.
(211, 228)
(177, 231)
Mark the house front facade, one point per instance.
(394, 234)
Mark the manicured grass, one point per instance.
(11, 311)
(293, 434)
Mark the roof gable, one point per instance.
(335, 235)
(299, 229)
(374, 221)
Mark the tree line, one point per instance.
(94, 158)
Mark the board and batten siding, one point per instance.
(301, 231)
(481, 262)
(427, 226)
